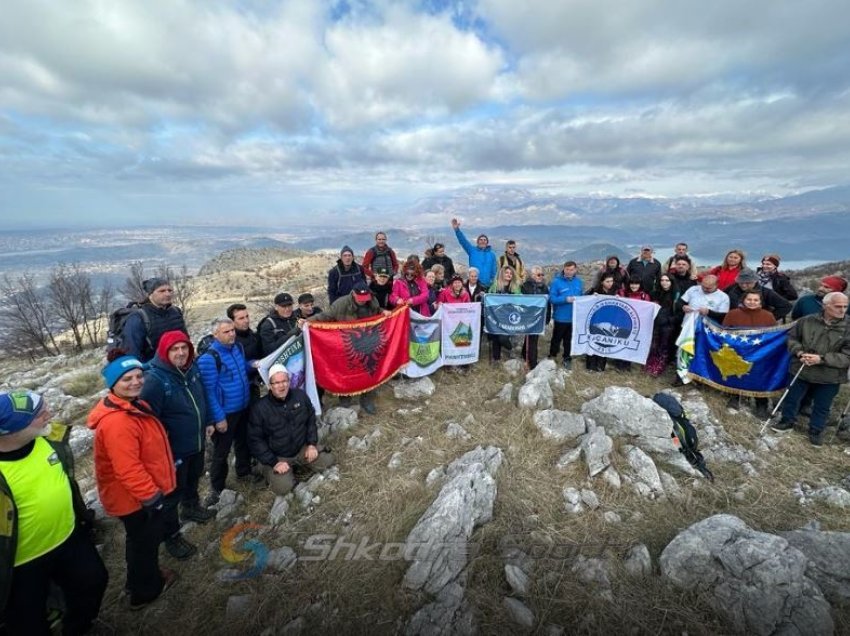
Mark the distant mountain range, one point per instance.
(811, 227)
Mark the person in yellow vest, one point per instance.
(42, 535)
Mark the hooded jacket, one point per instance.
(447, 296)
(132, 458)
(177, 398)
(419, 301)
(484, 260)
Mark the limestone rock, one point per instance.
(435, 475)
(448, 615)
(832, 496)
(645, 470)
(596, 447)
(340, 419)
(559, 426)
(238, 606)
(638, 562)
(535, 395)
(279, 509)
(414, 389)
(611, 517)
(589, 498)
(456, 431)
(757, 581)
(465, 501)
(572, 500)
(517, 579)
(506, 394)
(519, 612)
(625, 413)
(570, 457)
(513, 367)
(612, 478)
(281, 559)
(395, 461)
(829, 560)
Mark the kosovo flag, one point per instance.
(751, 362)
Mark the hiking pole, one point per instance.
(781, 400)
(843, 422)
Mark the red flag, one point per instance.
(354, 357)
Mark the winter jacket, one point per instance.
(447, 296)
(682, 283)
(274, 330)
(514, 262)
(770, 300)
(419, 301)
(9, 507)
(639, 295)
(780, 283)
(385, 258)
(647, 272)
(382, 293)
(806, 305)
(831, 341)
(445, 261)
(141, 337)
(621, 276)
(531, 287)
(667, 315)
(346, 309)
(251, 344)
(177, 399)
(484, 260)
(726, 276)
(475, 292)
(560, 290)
(752, 318)
(341, 281)
(281, 428)
(227, 390)
(132, 458)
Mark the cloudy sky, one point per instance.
(126, 111)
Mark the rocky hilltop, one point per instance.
(496, 502)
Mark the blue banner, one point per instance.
(514, 314)
(751, 362)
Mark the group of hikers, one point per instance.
(167, 400)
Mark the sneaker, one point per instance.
(179, 548)
(368, 406)
(783, 426)
(816, 438)
(169, 578)
(197, 513)
(212, 498)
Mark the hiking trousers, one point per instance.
(236, 436)
(283, 484)
(141, 550)
(821, 396)
(561, 332)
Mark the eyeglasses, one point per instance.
(539, 275)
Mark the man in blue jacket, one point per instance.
(563, 291)
(175, 393)
(481, 255)
(224, 373)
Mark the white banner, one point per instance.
(425, 340)
(292, 354)
(461, 332)
(613, 327)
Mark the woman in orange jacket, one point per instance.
(135, 470)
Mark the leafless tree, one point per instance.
(181, 281)
(132, 289)
(97, 308)
(67, 291)
(25, 317)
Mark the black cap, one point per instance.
(382, 271)
(283, 299)
(306, 297)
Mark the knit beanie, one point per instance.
(113, 371)
(835, 283)
(17, 410)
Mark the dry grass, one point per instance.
(365, 597)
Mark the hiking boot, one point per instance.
(783, 426)
(568, 364)
(816, 438)
(212, 498)
(761, 411)
(368, 405)
(179, 548)
(197, 513)
(169, 578)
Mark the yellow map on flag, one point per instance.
(729, 363)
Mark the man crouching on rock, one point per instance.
(282, 433)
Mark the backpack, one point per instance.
(117, 320)
(684, 433)
(381, 259)
(204, 347)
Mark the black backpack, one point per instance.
(204, 347)
(684, 434)
(117, 320)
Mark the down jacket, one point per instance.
(132, 457)
(227, 390)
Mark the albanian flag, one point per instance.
(348, 358)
